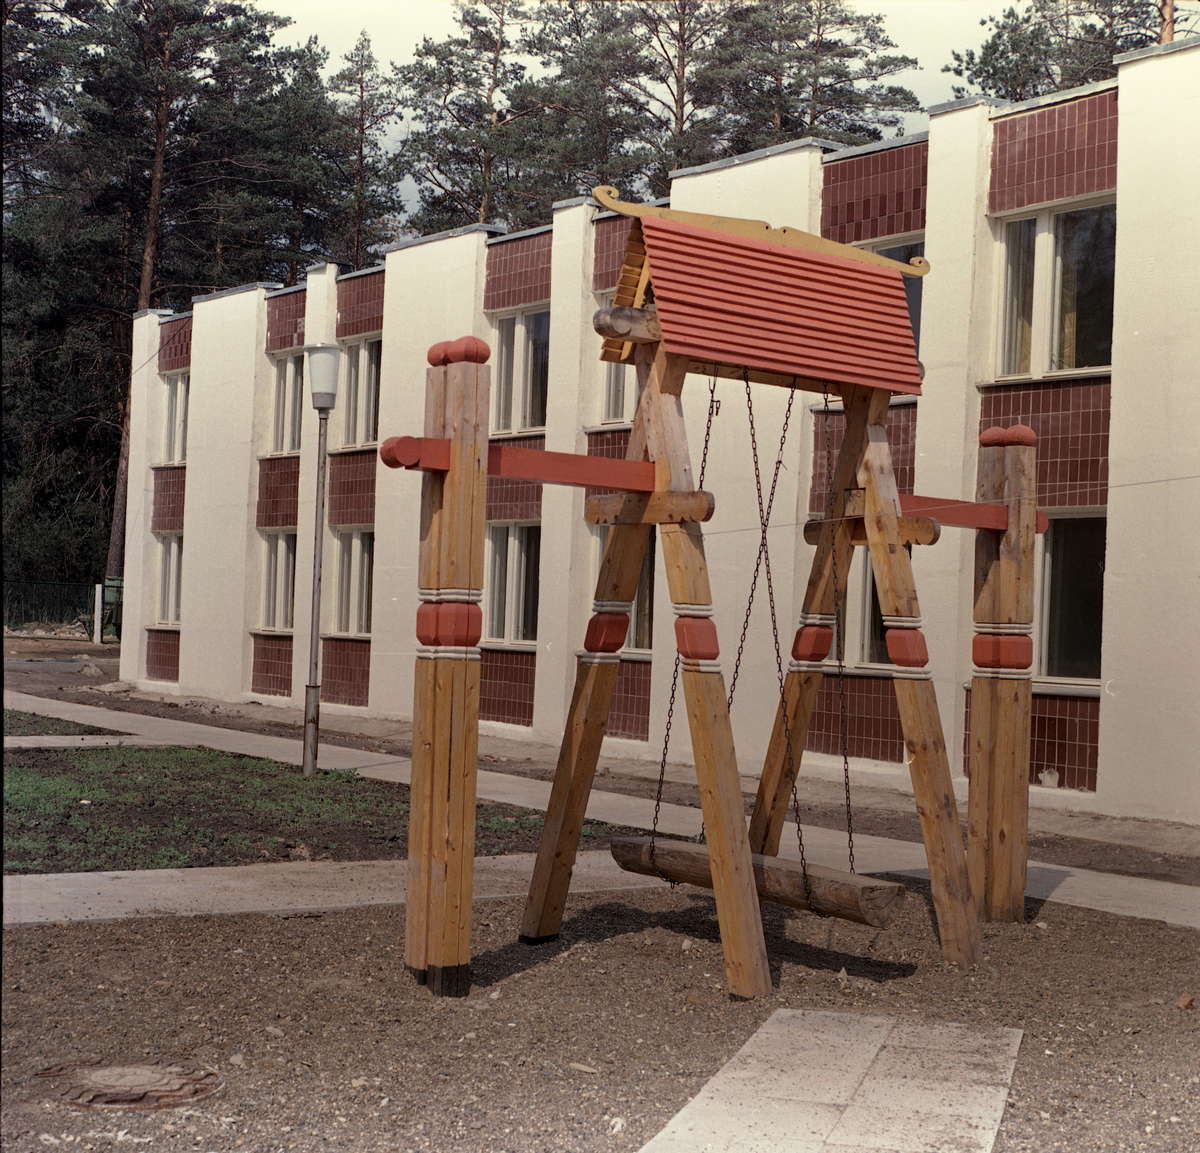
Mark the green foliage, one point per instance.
(1050, 45)
(19, 724)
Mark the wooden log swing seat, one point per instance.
(732, 299)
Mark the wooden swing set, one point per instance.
(737, 299)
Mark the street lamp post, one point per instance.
(322, 380)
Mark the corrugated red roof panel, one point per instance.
(739, 301)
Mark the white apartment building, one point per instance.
(1064, 239)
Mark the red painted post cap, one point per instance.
(1021, 434)
(400, 451)
(993, 437)
(466, 348)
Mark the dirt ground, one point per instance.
(49, 668)
(588, 1044)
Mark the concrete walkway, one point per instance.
(1107, 892)
(818, 1082)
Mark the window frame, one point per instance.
(1043, 562)
(517, 574)
(881, 246)
(279, 582)
(173, 446)
(514, 365)
(168, 603)
(287, 410)
(353, 583)
(1044, 291)
(359, 407)
(643, 599)
(611, 372)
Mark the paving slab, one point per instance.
(821, 1082)
(1106, 892)
(289, 887)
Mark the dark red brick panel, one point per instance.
(630, 715)
(518, 271)
(360, 304)
(285, 320)
(873, 721)
(352, 487)
(1064, 739)
(608, 251)
(1066, 150)
(162, 654)
(271, 672)
(879, 194)
(506, 686)
(170, 484)
(1071, 421)
(510, 499)
(612, 444)
(278, 492)
(175, 344)
(345, 670)
(902, 436)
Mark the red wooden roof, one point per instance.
(740, 301)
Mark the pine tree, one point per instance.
(1050, 45)
(369, 105)
(785, 69)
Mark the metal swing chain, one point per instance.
(764, 560)
(713, 406)
(839, 603)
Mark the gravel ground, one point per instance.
(588, 1044)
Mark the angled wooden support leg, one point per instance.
(746, 969)
(929, 765)
(1001, 690)
(835, 550)
(596, 673)
(595, 679)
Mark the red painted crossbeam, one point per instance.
(963, 513)
(432, 454)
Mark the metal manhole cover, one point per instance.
(137, 1085)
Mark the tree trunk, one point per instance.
(115, 565)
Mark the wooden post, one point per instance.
(1001, 690)
(929, 766)
(746, 969)
(446, 684)
(814, 635)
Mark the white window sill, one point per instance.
(170, 464)
(515, 433)
(501, 645)
(368, 445)
(164, 627)
(1062, 687)
(609, 426)
(282, 454)
(636, 656)
(345, 636)
(266, 632)
(1062, 375)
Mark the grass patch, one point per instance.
(84, 810)
(18, 724)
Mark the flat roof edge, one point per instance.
(1184, 42)
(301, 287)
(521, 235)
(1063, 97)
(171, 317)
(370, 271)
(269, 285)
(449, 233)
(875, 146)
(757, 154)
(965, 102)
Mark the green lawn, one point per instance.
(18, 724)
(83, 810)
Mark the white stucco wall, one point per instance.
(1149, 720)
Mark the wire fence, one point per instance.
(38, 606)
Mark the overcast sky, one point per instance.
(926, 29)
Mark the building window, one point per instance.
(640, 636)
(175, 421)
(289, 403)
(904, 251)
(522, 371)
(1058, 291)
(874, 640)
(1072, 597)
(360, 392)
(170, 577)
(355, 574)
(279, 580)
(513, 559)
